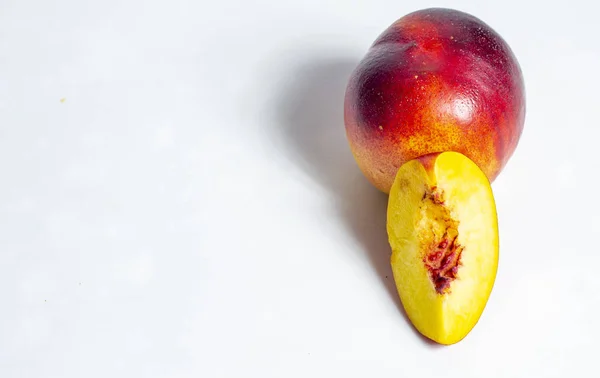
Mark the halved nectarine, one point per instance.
(443, 230)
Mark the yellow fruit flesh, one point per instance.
(442, 227)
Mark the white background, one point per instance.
(191, 208)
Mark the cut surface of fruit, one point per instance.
(443, 229)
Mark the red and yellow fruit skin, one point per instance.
(436, 80)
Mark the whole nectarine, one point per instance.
(436, 80)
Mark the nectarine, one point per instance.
(443, 230)
(436, 80)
